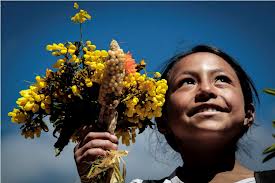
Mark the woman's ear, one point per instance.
(249, 115)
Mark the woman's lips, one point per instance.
(207, 109)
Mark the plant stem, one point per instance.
(81, 44)
(81, 32)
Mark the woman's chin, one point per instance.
(210, 133)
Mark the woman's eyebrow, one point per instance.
(214, 71)
(196, 74)
(191, 73)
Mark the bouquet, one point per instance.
(104, 89)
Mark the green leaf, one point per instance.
(273, 123)
(268, 157)
(269, 91)
(269, 149)
(57, 151)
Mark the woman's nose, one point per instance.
(205, 92)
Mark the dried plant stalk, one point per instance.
(109, 94)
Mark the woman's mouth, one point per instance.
(207, 109)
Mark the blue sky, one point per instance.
(151, 30)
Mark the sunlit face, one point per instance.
(205, 98)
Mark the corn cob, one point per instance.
(111, 87)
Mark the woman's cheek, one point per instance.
(235, 101)
(177, 107)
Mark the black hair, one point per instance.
(248, 88)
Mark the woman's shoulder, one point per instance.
(262, 176)
(172, 178)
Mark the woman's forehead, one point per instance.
(201, 62)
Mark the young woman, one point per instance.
(209, 106)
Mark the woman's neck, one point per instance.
(238, 173)
(203, 166)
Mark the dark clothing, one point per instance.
(260, 177)
(265, 176)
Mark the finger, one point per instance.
(99, 135)
(98, 143)
(76, 147)
(84, 130)
(90, 155)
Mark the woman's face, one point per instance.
(205, 99)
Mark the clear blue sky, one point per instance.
(151, 30)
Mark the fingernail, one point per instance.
(114, 137)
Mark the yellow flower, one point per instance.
(104, 53)
(55, 53)
(42, 105)
(29, 105)
(97, 53)
(72, 49)
(18, 116)
(59, 63)
(81, 17)
(157, 75)
(88, 82)
(24, 93)
(74, 59)
(135, 100)
(39, 85)
(35, 88)
(13, 113)
(100, 66)
(42, 96)
(35, 108)
(88, 42)
(37, 98)
(63, 51)
(48, 100)
(49, 47)
(57, 49)
(21, 101)
(31, 133)
(91, 47)
(75, 90)
(85, 49)
(38, 78)
(49, 73)
(76, 6)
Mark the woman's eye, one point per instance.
(223, 79)
(187, 81)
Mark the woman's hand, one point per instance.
(93, 145)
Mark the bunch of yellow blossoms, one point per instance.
(81, 16)
(95, 60)
(151, 91)
(91, 87)
(143, 96)
(69, 92)
(31, 100)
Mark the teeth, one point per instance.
(207, 109)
